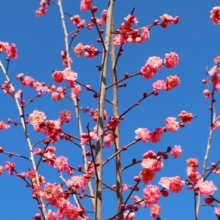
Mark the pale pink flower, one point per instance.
(193, 174)
(85, 5)
(20, 75)
(131, 19)
(152, 164)
(151, 194)
(61, 164)
(10, 167)
(27, 81)
(58, 94)
(176, 151)
(12, 51)
(149, 154)
(216, 125)
(1, 169)
(144, 134)
(109, 139)
(155, 62)
(145, 33)
(4, 126)
(18, 94)
(52, 215)
(192, 162)
(172, 82)
(69, 75)
(36, 117)
(71, 212)
(89, 26)
(102, 21)
(213, 71)
(207, 93)
(119, 39)
(206, 188)
(147, 175)
(3, 46)
(174, 184)
(167, 18)
(215, 15)
(155, 210)
(80, 23)
(65, 115)
(171, 59)
(129, 215)
(75, 90)
(172, 124)
(217, 211)
(159, 85)
(148, 71)
(58, 76)
(137, 200)
(124, 187)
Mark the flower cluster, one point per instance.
(80, 23)
(90, 51)
(42, 9)
(10, 50)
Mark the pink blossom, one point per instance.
(124, 187)
(131, 19)
(102, 21)
(52, 215)
(36, 117)
(186, 117)
(217, 211)
(61, 164)
(216, 125)
(12, 51)
(152, 164)
(10, 167)
(155, 62)
(80, 23)
(145, 33)
(149, 154)
(215, 15)
(112, 123)
(69, 75)
(137, 200)
(75, 90)
(171, 59)
(119, 39)
(4, 126)
(64, 59)
(144, 134)
(1, 169)
(206, 188)
(155, 136)
(42, 9)
(159, 85)
(207, 93)
(176, 151)
(174, 184)
(192, 162)
(38, 151)
(167, 19)
(18, 94)
(58, 94)
(85, 5)
(213, 71)
(129, 215)
(172, 124)
(65, 115)
(90, 51)
(109, 139)
(58, 76)
(3, 46)
(147, 176)
(193, 174)
(95, 114)
(151, 194)
(27, 81)
(155, 210)
(172, 82)
(148, 71)
(79, 50)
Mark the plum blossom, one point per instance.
(42, 9)
(36, 117)
(186, 117)
(18, 94)
(213, 71)
(109, 139)
(216, 125)
(155, 210)
(174, 184)
(3, 46)
(10, 167)
(148, 71)
(1, 169)
(69, 75)
(152, 164)
(58, 94)
(151, 194)
(155, 62)
(80, 23)
(4, 126)
(171, 59)
(215, 15)
(137, 200)
(85, 5)
(193, 174)
(90, 51)
(207, 93)
(176, 151)
(172, 82)
(192, 162)
(206, 188)
(217, 211)
(64, 59)
(65, 115)
(147, 175)
(12, 51)
(131, 19)
(172, 124)
(103, 19)
(79, 50)
(144, 134)
(155, 136)
(95, 114)
(61, 164)
(75, 90)
(159, 85)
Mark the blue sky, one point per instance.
(40, 41)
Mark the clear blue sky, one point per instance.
(40, 40)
